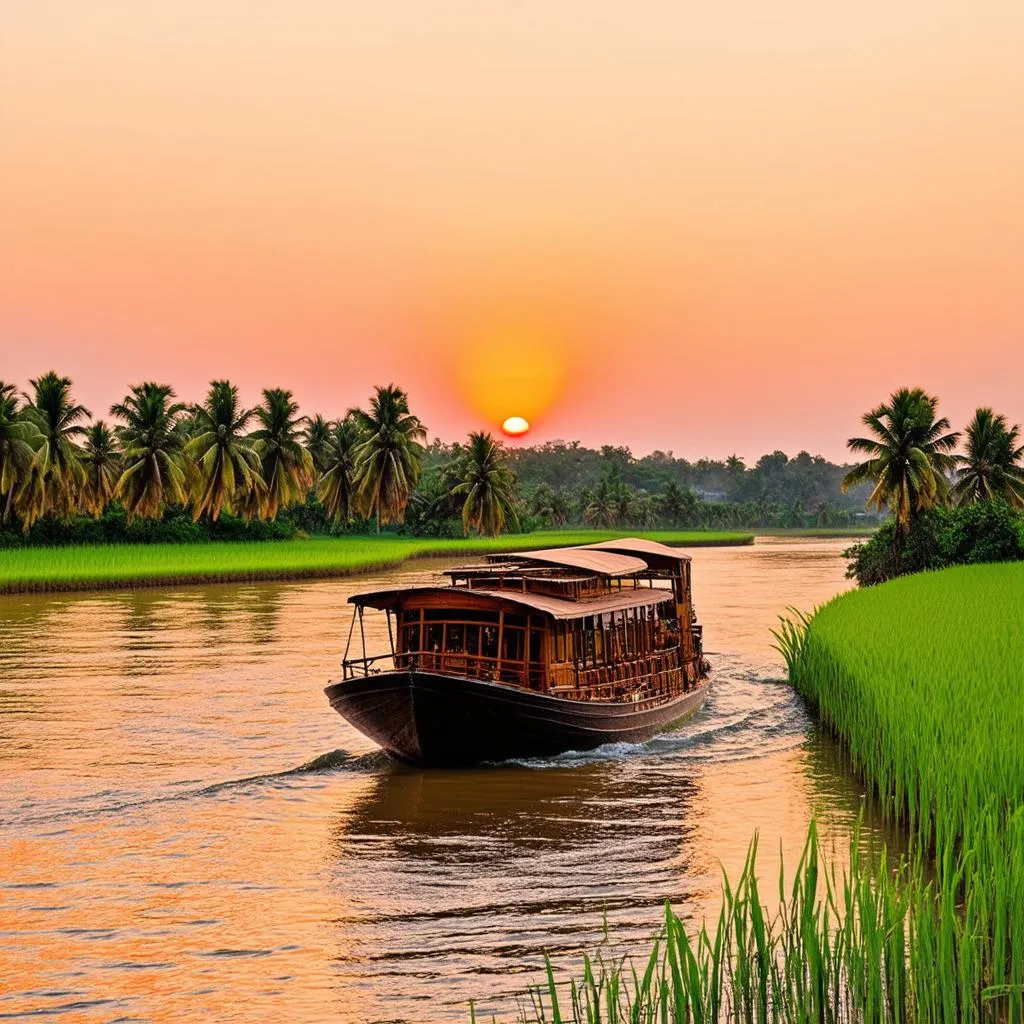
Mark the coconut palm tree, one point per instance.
(102, 463)
(227, 471)
(389, 458)
(488, 485)
(625, 503)
(994, 463)
(910, 455)
(541, 502)
(603, 509)
(154, 469)
(317, 438)
(561, 509)
(56, 475)
(336, 487)
(19, 437)
(286, 466)
(644, 510)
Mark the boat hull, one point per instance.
(430, 719)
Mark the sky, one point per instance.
(716, 227)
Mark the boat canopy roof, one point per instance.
(558, 608)
(641, 548)
(592, 560)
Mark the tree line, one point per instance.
(218, 458)
(373, 468)
(564, 483)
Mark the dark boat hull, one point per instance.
(429, 719)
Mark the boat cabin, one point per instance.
(608, 621)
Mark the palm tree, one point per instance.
(625, 503)
(56, 474)
(909, 456)
(488, 485)
(336, 489)
(678, 504)
(227, 471)
(645, 510)
(153, 471)
(317, 437)
(19, 437)
(102, 468)
(994, 463)
(286, 466)
(561, 509)
(542, 502)
(603, 510)
(389, 458)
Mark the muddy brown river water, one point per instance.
(189, 833)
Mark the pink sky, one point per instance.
(705, 227)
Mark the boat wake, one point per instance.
(114, 802)
(746, 716)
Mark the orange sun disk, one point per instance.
(514, 426)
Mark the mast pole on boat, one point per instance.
(362, 634)
(351, 629)
(391, 636)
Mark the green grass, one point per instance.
(98, 566)
(923, 680)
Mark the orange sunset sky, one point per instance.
(706, 227)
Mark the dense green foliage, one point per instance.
(921, 680)
(89, 566)
(917, 476)
(562, 483)
(986, 531)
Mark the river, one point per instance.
(188, 832)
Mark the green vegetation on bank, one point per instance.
(88, 567)
(947, 508)
(920, 678)
(944, 536)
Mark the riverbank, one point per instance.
(920, 680)
(152, 565)
(821, 532)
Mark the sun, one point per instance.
(515, 426)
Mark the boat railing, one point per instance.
(475, 666)
(653, 676)
(354, 667)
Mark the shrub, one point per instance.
(987, 531)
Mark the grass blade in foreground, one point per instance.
(923, 679)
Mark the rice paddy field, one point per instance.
(922, 678)
(126, 565)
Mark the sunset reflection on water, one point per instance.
(170, 852)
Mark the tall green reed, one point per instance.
(923, 680)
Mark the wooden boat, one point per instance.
(529, 655)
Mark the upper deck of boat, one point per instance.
(565, 583)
